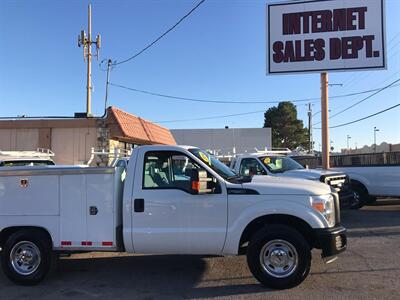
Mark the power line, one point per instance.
(213, 117)
(262, 111)
(161, 36)
(199, 99)
(352, 80)
(359, 93)
(364, 99)
(364, 118)
(315, 99)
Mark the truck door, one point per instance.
(166, 217)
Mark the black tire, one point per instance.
(361, 196)
(268, 235)
(27, 239)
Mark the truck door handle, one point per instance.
(139, 205)
(93, 210)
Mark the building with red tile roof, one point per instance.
(74, 139)
(128, 127)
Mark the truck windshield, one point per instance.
(223, 170)
(280, 164)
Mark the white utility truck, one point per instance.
(169, 200)
(370, 182)
(278, 164)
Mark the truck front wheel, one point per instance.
(279, 256)
(361, 196)
(26, 257)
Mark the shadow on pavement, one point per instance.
(372, 216)
(385, 202)
(130, 277)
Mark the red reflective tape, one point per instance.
(86, 243)
(107, 243)
(66, 243)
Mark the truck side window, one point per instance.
(168, 170)
(251, 167)
(156, 170)
(233, 164)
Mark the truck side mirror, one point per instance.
(199, 182)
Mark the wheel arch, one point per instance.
(8, 231)
(283, 219)
(359, 182)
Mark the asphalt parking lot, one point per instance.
(369, 269)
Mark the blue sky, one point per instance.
(217, 53)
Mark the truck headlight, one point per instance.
(325, 205)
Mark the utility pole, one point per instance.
(86, 42)
(324, 120)
(375, 130)
(310, 138)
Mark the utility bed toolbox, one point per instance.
(80, 203)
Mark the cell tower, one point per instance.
(86, 42)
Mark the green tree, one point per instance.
(287, 130)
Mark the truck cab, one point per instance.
(280, 165)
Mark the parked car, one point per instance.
(278, 165)
(40, 157)
(370, 182)
(173, 200)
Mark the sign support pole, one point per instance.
(324, 120)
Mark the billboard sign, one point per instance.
(325, 35)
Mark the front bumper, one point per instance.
(331, 241)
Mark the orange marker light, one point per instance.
(195, 185)
(319, 206)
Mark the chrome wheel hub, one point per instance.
(25, 257)
(279, 258)
(356, 199)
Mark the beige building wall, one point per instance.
(19, 139)
(72, 146)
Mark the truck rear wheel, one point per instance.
(279, 257)
(26, 257)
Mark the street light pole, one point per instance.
(375, 130)
(348, 138)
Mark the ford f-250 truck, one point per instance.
(275, 164)
(170, 200)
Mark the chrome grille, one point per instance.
(335, 181)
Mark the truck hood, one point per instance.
(310, 174)
(272, 185)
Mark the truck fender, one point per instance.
(235, 229)
(6, 232)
